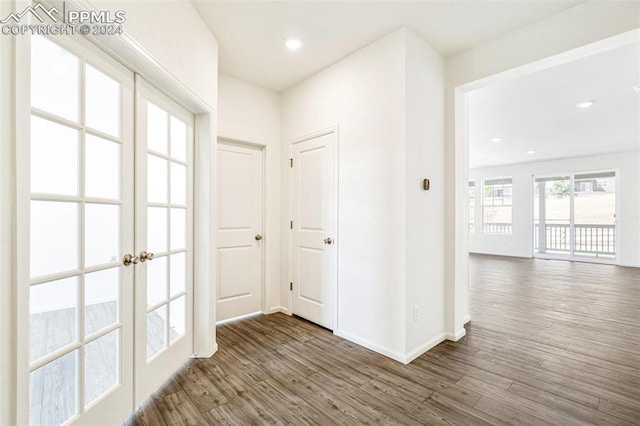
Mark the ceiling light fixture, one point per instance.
(293, 43)
(530, 152)
(496, 139)
(585, 104)
(637, 88)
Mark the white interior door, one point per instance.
(164, 239)
(80, 295)
(239, 233)
(314, 228)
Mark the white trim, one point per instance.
(373, 346)
(239, 318)
(467, 320)
(457, 335)
(278, 309)
(425, 347)
(208, 355)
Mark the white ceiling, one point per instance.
(251, 34)
(538, 112)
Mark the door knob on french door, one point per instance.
(328, 240)
(129, 259)
(258, 237)
(144, 256)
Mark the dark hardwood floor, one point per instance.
(550, 342)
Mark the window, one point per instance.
(496, 206)
(472, 207)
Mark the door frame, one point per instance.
(335, 130)
(263, 216)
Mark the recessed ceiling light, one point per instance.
(293, 43)
(584, 104)
(496, 139)
(637, 88)
(530, 152)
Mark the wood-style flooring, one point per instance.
(550, 342)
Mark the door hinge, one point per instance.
(290, 162)
(290, 286)
(290, 224)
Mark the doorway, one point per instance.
(314, 257)
(240, 237)
(103, 220)
(575, 216)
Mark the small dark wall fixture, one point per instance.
(426, 184)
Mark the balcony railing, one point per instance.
(496, 228)
(589, 239)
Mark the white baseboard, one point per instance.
(457, 335)
(213, 351)
(278, 309)
(425, 347)
(466, 319)
(370, 345)
(238, 318)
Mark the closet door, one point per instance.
(79, 302)
(164, 239)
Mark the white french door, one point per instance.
(164, 238)
(107, 288)
(314, 258)
(80, 296)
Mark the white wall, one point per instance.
(576, 27)
(627, 166)
(366, 95)
(424, 209)
(251, 114)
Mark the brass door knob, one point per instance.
(129, 259)
(258, 237)
(328, 241)
(144, 256)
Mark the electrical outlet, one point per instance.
(416, 313)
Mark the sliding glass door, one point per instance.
(575, 215)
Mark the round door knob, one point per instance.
(258, 237)
(129, 259)
(144, 256)
(328, 241)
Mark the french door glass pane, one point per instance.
(156, 331)
(157, 226)
(157, 179)
(101, 295)
(54, 79)
(54, 237)
(178, 139)
(178, 272)
(102, 169)
(178, 229)
(54, 158)
(178, 184)
(102, 233)
(53, 391)
(178, 317)
(156, 281)
(552, 230)
(157, 129)
(53, 316)
(100, 366)
(102, 101)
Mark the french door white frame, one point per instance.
(571, 255)
(122, 48)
